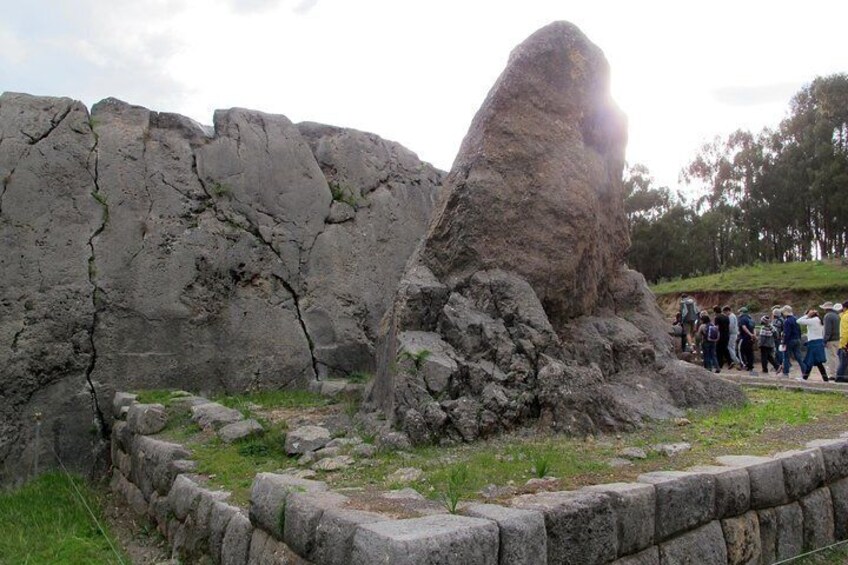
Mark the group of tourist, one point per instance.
(728, 340)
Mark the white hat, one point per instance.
(837, 307)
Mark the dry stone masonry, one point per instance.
(742, 510)
(143, 250)
(518, 307)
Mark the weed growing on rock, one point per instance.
(541, 465)
(418, 358)
(457, 479)
(359, 377)
(342, 194)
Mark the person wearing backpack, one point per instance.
(790, 343)
(709, 334)
(746, 339)
(723, 322)
(777, 327)
(688, 317)
(765, 339)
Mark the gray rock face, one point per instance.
(142, 250)
(518, 306)
(306, 438)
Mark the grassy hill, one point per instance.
(802, 284)
(804, 276)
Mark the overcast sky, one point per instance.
(416, 71)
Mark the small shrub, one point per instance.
(221, 190)
(541, 465)
(359, 377)
(457, 479)
(342, 194)
(417, 358)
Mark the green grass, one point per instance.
(811, 275)
(270, 399)
(45, 522)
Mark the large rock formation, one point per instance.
(141, 249)
(518, 306)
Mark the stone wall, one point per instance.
(741, 510)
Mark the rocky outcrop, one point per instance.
(518, 306)
(141, 249)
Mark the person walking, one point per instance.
(709, 337)
(816, 356)
(723, 323)
(790, 342)
(732, 336)
(688, 317)
(777, 326)
(831, 334)
(746, 339)
(842, 370)
(765, 340)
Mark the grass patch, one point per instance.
(44, 522)
(161, 396)
(269, 399)
(809, 275)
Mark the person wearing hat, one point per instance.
(831, 334)
(777, 326)
(746, 339)
(816, 356)
(765, 340)
(790, 343)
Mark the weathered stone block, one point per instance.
(131, 494)
(240, 430)
(266, 550)
(333, 543)
(767, 518)
(219, 518)
(835, 455)
(303, 512)
(123, 434)
(523, 540)
(803, 471)
(123, 462)
(146, 419)
(580, 526)
(743, 539)
(818, 519)
(839, 499)
(789, 539)
(213, 415)
(732, 486)
(306, 438)
(704, 546)
(183, 496)
(197, 523)
(634, 506)
(684, 501)
(268, 499)
(236, 544)
(120, 401)
(151, 460)
(650, 556)
(444, 539)
(766, 476)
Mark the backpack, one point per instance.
(712, 333)
(690, 313)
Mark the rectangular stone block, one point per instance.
(768, 534)
(817, 510)
(445, 539)
(803, 471)
(766, 476)
(523, 540)
(650, 556)
(634, 506)
(835, 455)
(743, 539)
(120, 401)
(732, 487)
(267, 550)
(268, 499)
(147, 419)
(183, 496)
(151, 460)
(789, 539)
(197, 524)
(303, 513)
(839, 499)
(235, 547)
(684, 501)
(704, 546)
(333, 541)
(219, 518)
(124, 436)
(580, 526)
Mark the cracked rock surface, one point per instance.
(141, 250)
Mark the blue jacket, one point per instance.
(746, 321)
(791, 330)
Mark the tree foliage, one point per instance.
(780, 195)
